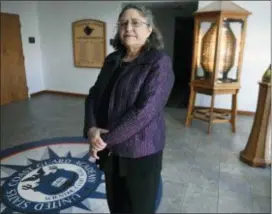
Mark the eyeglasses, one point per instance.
(134, 23)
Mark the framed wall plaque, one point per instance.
(89, 43)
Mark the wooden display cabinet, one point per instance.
(219, 39)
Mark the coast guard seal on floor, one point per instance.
(51, 176)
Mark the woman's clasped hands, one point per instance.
(96, 142)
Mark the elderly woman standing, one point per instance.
(124, 113)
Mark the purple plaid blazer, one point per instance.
(136, 109)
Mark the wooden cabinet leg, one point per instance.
(190, 108)
(233, 112)
(211, 114)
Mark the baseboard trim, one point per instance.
(239, 112)
(37, 93)
(57, 93)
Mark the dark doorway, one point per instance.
(182, 61)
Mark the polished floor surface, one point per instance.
(201, 173)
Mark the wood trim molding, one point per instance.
(58, 93)
(239, 112)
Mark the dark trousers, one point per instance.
(132, 193)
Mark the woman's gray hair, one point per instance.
(155, 39)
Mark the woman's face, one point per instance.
(133, 28)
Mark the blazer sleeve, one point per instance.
(151, 100)
(89, 117)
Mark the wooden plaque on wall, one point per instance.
(89, 43)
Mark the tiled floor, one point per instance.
(202, 173)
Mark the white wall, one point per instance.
(50, 23)
(55, 21)
(257, 56)
(27, 11)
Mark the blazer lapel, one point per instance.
(109, 68)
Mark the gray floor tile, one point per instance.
(232, 204)
(261, 188)
(234, 201)
(232, 183)
(260, 181)
(177, 166)
(177, 143)
(173, 196)
(204, 176)
(199, 200)
(210, 189)
(261, 204)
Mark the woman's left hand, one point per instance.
(93, 153)
(98, 144)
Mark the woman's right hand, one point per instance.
(97, 144)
